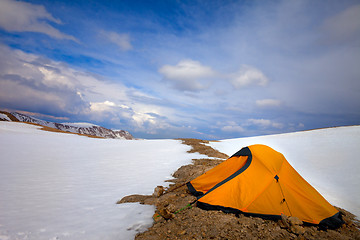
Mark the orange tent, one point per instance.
(259, 181)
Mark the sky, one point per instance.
(169, 69)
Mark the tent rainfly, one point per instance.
(259, 181)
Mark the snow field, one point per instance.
(62, 186)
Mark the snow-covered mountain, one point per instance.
(4, 117)
(81, 128)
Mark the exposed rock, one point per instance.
(293, 224)
(171, 208)
(166, 214)
(158, 191)
(297, 229)
(284, 221)
(294, 221)
(142, 199)
(158, 218)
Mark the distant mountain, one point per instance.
(81, 128)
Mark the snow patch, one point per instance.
(80, 124)
(4, 117)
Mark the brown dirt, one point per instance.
(176, 218)
(200, 147)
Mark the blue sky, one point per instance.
(168, 69)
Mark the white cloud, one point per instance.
(53, 77)
(268, 103)
(233, 128)
(260, 122)
(109, 107)
(142, 118)
(188, 75)
(248, 75)
(101, 106)
(16, 16)
(121, 40)
(265, 123)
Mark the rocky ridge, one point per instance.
(177, 216)
(87, 129)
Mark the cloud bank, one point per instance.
(56, 91)
(184, 70)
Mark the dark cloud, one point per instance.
(28, 83)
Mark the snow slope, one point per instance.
(327, 158)
(63, 186)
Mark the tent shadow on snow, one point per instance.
(259, 181)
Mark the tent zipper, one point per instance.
(282, 193)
